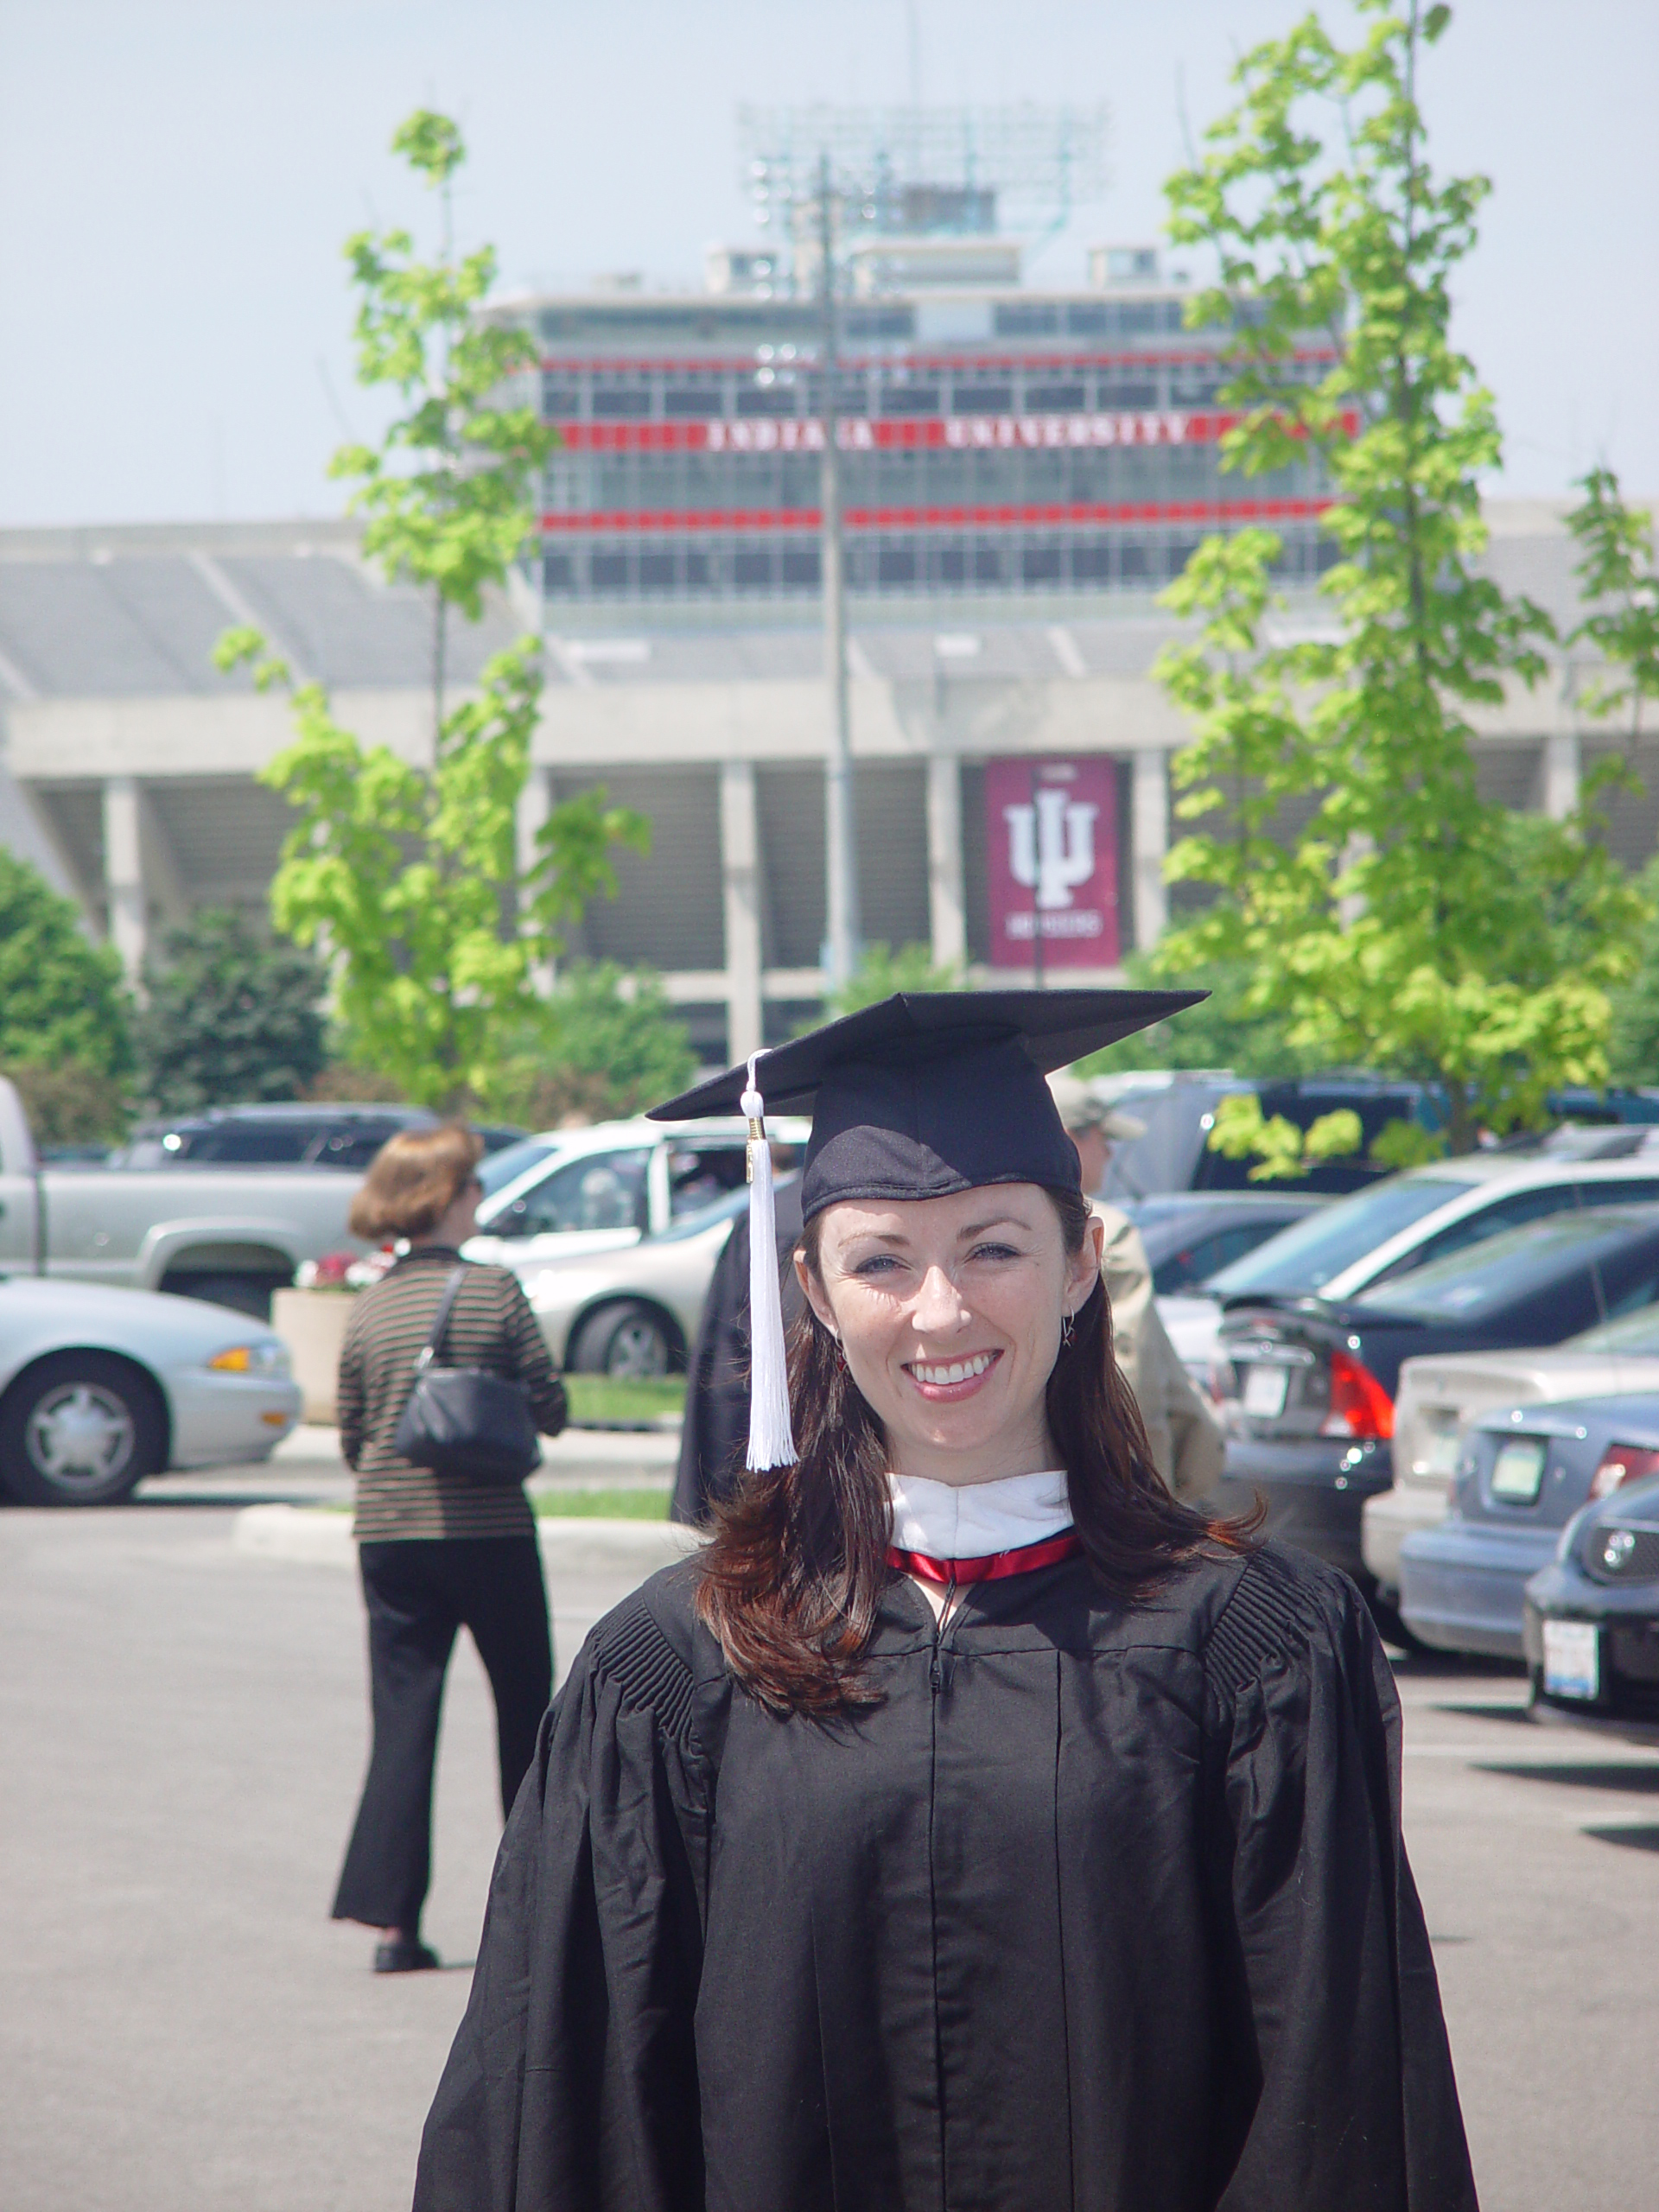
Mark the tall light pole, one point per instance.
(841, 834)
(860, 159)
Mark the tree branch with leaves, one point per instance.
(1405, 929)
(408, 875)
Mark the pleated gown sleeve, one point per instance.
(572, 2082)
(1338, 2057)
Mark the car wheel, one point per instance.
(622, 1340)
(81, 1428)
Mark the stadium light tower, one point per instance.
(839, 823)
(831, 178)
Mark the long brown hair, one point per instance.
(797, 1561)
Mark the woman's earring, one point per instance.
(1068, 1329)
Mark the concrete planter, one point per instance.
(312, 1324)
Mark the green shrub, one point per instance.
(71, 1103)
(611, 1046)
(62, 1000)
(882, 971)
(231, 1017)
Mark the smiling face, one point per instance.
(948, 1310)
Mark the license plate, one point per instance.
(1518, 1471)
(1265, 1389)
(1442, 1454)
(1571, 1660)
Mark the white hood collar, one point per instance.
(975, 1520)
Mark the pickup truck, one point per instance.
(229, 1234)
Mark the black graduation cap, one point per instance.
(929, 1092)
(923, 1093)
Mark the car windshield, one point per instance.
(1507, 1269)
(1305, 1256)
(1636, 1336)
(499, 1168)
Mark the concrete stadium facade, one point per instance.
(129, 766)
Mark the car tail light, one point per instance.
(1622, 1464)
(1359, 1404)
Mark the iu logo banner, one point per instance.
(1051, 863)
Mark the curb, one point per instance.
(313, 1536)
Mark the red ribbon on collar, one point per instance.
(1024, 1558)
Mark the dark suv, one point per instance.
(345, 1137)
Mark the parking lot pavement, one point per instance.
(1536, 1851)
(182, 2030)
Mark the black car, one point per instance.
(1307, 1384)
(343, 1136)
(1190, 1234)
(1591, 1625)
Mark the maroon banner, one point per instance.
(1051, 845)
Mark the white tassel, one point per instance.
(772, 1442)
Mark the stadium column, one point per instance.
(1148, 843)
(123, 874)
(946, 914)
(740, 870)
(1560, 772)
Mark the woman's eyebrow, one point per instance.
(996, 1221)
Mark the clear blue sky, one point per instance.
(176, 177)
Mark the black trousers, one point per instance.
(419, 1594)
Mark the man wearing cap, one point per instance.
(1186, 1442)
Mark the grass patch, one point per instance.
(650, 1504)
(601, 1505)
(607, 1401)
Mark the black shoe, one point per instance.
(406, 1956)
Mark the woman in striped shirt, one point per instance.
(436, 1551)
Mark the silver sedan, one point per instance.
(99, 1388)
(634, 1312)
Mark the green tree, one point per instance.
(1406, 929)
(63, 1012)
(613, 1046)
(231, 1017)
(1621, 585)
(1634, 1050)
(881, 971)
(408, 876)
(1224, 1031)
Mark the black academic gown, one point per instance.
(1104, 1907)
(714, 1433)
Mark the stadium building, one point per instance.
(1023, 471)
(996, 440)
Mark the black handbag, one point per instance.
(464, 1420)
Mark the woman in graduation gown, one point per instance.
(969, 1825)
